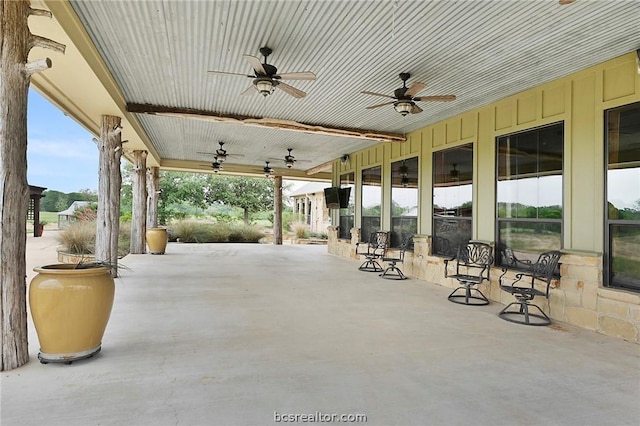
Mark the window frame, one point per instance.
(364, 236)
(394, 240)
(345, 234)
(458, 219)
(499, 220)
(607, 260)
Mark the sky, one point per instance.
(60, 153)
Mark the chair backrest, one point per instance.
(406, 243)
(378, 242)
(544, 268)
(477, 256)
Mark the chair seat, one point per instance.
(528, 291)
(471, 279)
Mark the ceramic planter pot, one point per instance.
(70, 309)
(157, 240)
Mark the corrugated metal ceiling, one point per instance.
(159, 52)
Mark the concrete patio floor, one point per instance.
(230, 334)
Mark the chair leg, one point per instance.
(393, 273)
(467, 298)
(370, 265)
(523, 316)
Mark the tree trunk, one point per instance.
(139, 213)
(15, 42)
(277, 214)
(153, 192)
(109, 183)
(246, 216)
(14, 192)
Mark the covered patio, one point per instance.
(234, 342)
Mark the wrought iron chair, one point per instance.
(541, 271)
(372, 250)
(393, 272)
(473, 263)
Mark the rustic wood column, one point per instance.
(139, 208)
(109, 183)
(277, 213)
(153, 193)
(15, 42)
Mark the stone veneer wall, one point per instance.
(577, 298)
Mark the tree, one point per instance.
(250, 194)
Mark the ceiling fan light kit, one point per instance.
(264, 86)
(403, 107)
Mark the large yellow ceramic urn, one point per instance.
(70, 305)
(157, 240)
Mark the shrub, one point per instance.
(245, 234)
(300, 230)
(79, 237)
(221, 232)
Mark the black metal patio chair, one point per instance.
(372, 250)
(541, 271)
(473, 263)
(393, 272)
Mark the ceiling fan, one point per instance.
(405, 99)
(290, 160)
(266, 77)
(221, 154)
(216, 165)
(268, 171)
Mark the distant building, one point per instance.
(309, 206)
(66, 217)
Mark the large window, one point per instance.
(371, 201)
(346, 214)
(622, 259)
(404, 200)
(529, 192)
(452, 199)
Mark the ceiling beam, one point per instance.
(320, 168)
(272, 123)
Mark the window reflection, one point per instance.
(404, 200)
(452, 199)
(371, 201)
(623, 197)
(529, 192)
(346, 215)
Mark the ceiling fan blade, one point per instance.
(306, 75)
(248, 91)
(415, 109)
(441, 98)
(415, 88)
(255, 64)
(376, 94)
(229, 73)
(379, 105)
(291, 90)
(206, 153)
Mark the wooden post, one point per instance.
(109, 183)
(277, 213)
(139, 208)
(15, 43)
(153, 193)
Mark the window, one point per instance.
(371, 201)
(622, 232)
(452, 199)
(529, 192)
(346, 215)
(404, 200)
